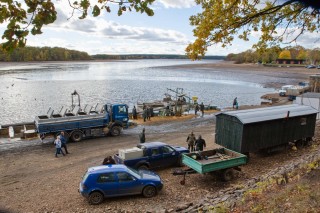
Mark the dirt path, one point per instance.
(33, 180)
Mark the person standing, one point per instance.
(196, 109)
(134, 113)
(63, 142)
(108, 160)
(202, 109)
(235, 103)
(142, 136)
(57, 143)
(191, 140)
(200, 144)
(148, 113)
(144, 115)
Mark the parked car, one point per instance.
(151, 155)
(318, 67)
(311, 66)
(118, 180)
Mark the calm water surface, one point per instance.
(29, 90)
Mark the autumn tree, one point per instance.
(222, 20)
(285, 54)
(29, 16)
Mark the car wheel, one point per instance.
(143, 167)
(96, 198)
(149, 191)
(115, 131)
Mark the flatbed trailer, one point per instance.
(219, 162)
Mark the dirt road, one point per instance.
(33, 180)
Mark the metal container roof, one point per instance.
(271, 113)
(310, 95)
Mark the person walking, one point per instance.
(191, 140)
(63, 142)
(202, 109)
(134, 113)
(200, 144)
(142, 136)
(235, 102)
(57, 143)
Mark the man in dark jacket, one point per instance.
(63, 142)
(200, 143)
(108, 160)
(142, 136)
(202, 109)
(134, 113)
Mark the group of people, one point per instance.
(147, 113)
(61, 142)
(199, 107)
(195, 144)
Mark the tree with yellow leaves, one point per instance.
(277, 20)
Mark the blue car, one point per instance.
(118, 180)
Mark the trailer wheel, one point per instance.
(115, 131)
(227, 175)
(76, 136)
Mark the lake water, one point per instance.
(28, 90)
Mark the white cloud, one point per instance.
(178, 3)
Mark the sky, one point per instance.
(167, 32)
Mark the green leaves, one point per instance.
(43, 12)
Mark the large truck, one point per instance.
(78, 124)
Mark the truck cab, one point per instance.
(119, 113)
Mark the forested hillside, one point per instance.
(43, 54)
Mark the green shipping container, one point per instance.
(252, 130)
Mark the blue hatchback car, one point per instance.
(118, 180)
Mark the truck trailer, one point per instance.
(78, 124)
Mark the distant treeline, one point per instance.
(62, 54)
(43, 54)
(148, 56)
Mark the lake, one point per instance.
(29, 89)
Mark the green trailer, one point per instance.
(219, 162)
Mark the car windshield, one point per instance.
(85, 176)
(134, 172)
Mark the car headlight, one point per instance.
(125, 119)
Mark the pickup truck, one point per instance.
(153, 155)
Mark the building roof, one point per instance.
(310, 95)
(270, 113)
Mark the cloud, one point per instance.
(177, 3)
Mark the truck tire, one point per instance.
(227, 175)
(143, 167)
(115, 131)
(76, 136)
